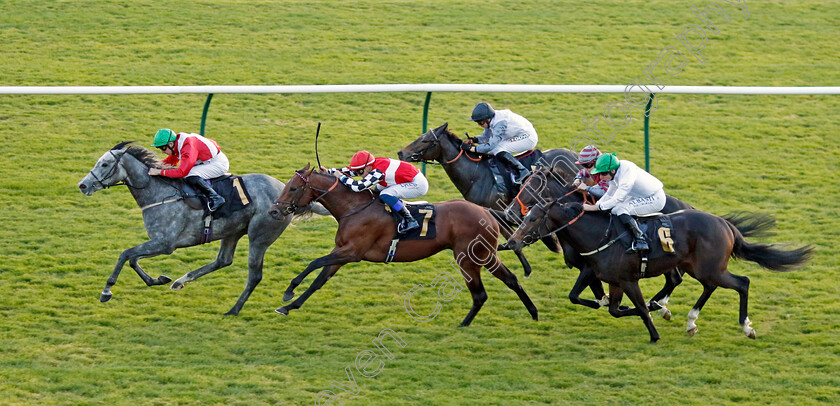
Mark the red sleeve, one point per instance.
(171, 160)
(189, 154)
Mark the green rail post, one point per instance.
(647, 133)
(426, 121)
(204, 114)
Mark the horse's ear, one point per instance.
(443, 127)
(308, 170)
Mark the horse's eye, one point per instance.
(292, 188)
(104, 164)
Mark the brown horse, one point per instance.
(365, 231)
(703, 244)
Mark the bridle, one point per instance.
(292, 205)
(112, 171)
(415, 156)
(535, 235)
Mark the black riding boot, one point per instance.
(214, 199)
(513, 163)
(408, 222)
(639, 240)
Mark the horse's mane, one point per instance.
(144, 155)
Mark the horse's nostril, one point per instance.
(82, 186)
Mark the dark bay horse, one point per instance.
(472, 175)
(703, 244)
(546, 185)
(171, 224)
(365, 231)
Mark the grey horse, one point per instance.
(171, 223)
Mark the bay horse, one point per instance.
(703, 245)
(473, 177)
(365, 231)
(546, 184)
(171, 224)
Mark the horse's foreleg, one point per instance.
(256, 254)
(525, 264)
(585, 278)
(631, 288)
(616, 309)
(321, 262)
(161, 280)
(223, 258)
(660, 299)
(147, 249)
(322, 278)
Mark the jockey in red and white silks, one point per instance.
(395, 180)
(391, 177)
(196, 155)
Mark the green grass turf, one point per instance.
(770, 154)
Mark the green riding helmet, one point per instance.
(164, 136)
(606, 163)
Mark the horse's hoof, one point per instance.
(232, 312)
(691, 332)
(177, 285)
(751, 334)
(666, 314)
(288, 296)
(163, 280)
(282, 310)
(104, 297)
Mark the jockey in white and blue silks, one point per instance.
(505, 134)
(632, 192)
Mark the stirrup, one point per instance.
(405, 227)
(213, 207)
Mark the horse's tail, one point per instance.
(752, 224)
(767, 255)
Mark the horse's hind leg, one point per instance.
(147, 249)
(322, 278)
(741, 284)
(479, 295)
(223, 259)
(691, 327)
(506, 276)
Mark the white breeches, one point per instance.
(641, 206)
(516, 146)
(409, 190)
(213, 168)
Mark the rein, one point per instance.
(467, 155)
(110, 173)
(586, 196)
